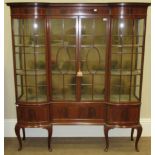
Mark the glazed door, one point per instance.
(63, 55)
(30, 59)
(92, 57)
(78, 48)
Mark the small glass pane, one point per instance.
(115, 62)
(135, 92)
(69, 40)
(41, 93)
(19, 61)
(125, 94)
(19, 49)
(98, 93)
(18, 26)
(86, 92)
(136, 81)
(127, 49)
(31, 94)
(57, 40)
(87, 26)
(99, 40)
(69, 92)
(69, 26)
(40, 62)
(116, 40)
(115, 81)
(18, 41)
(57, 87)
(100, 26)
(30, 61)
(127, 40)
(69, 87)
(34, 27)
(114, 93)
(138, 40)
(30, 81)
(21, 93)
(139, 27)
(34, 41)
(137, 50)
(87, 40)
(122, 27)
(126, 62)
(137, 62)
(19, 79)
(41, 80)
(56, 27)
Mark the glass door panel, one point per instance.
(63, 46)
(29, 42)
(92, 58)
(126, 59)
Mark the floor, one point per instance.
(77, 146)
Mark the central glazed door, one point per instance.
(92, 57)
(63, 53)
(78, 47)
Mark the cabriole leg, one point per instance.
(17, 131)
(132, 132)
(49, 129)
(106, 130)
(23, 129)
(139, 132)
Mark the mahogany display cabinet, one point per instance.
(78, 64)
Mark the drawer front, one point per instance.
(33, 114)
(121, 11)
(78, 11)
(28, 11)
(128, 11)
(78, 111)
(122, 114)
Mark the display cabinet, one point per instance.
(78, 64)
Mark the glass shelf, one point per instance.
(96, 97)
(32, 45)
(34, 35)
(126, 53)
(30, 72)
(123, 98)
(94, 45)
(122, 35)
(63, 72)
(39, 98)
(119, 72)
(127, 45)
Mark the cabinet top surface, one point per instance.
(32, 4)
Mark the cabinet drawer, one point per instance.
(121, 11)
(139, 11)
(33, 114)
(28, 11)
(91, 112)
(122, 114)
(78, 111)
(78, 11)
